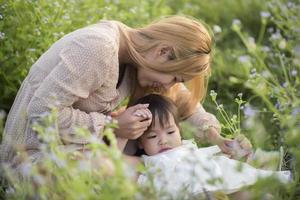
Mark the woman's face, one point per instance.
(148, 78)
(151, 79)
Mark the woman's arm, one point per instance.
(208, 130)
(121, 142)
(82, 69)
(207, 126)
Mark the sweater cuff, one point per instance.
(98, 123)
(203, 122)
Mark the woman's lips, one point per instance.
(164, 149)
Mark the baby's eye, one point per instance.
(151, 136)
(171, 132)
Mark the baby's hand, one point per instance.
(240, 147)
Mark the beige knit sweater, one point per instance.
(78, 75)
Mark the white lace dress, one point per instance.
(191, 170)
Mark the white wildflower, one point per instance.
(285, 84)
(56, 4)
(217, 29)
(271, 30)
(253, 73)
(31, 49)
(66, 17)
(38, 32)
(295, 111)
(94, 139)
(2, 35)
(244, 59)
(236, 24)
(276, 36)
(59, 162)
(249, 111)
(132, 10)
(265, 14)
(84, 165)
(297, 50)
(266, 74)
(294, 72)
(291, 4)
(265, 49)
(38, 179)
(25, 169)
(282, 44)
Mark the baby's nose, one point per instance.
(163, 141)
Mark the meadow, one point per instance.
(253, 89)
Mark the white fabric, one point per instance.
(187, 168)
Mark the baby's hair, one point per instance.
(161, 107)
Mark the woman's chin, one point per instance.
(143, 85)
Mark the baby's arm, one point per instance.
(134, 162)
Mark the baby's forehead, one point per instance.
(162, 123)
(163, 120)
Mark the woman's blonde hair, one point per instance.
(191, 52)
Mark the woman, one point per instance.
(88, 72)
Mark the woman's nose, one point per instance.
(169, 85)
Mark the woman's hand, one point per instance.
(214, 137)
(133, 122)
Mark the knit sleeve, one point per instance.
(203, 120)
(82, 69)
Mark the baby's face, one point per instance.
(159, 139)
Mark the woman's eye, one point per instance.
(172, 56)
(177, 80)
